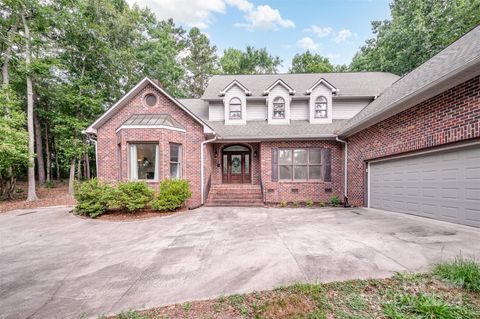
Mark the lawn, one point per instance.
(450, 291)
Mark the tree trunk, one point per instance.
(71, 181)
(87, 166)
(39, 149)
(32, 195)
(79, 169)
(47, 155)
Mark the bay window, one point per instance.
(143, 161)
(175, 161)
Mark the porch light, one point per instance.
(255, 154)
(215, 155)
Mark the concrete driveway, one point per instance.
(56, 265)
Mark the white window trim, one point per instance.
(134, 172)
(180, 160)
(293, 180)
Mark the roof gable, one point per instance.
(92, 129)
(282, 83)
(240, 85)
(324, 82)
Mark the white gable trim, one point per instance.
(240, 85)
(92, 129)
(324, 82)
(291, 91)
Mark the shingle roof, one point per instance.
(152, 120)
(348, 83)
(463, 53)
(261, 129)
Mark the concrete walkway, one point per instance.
(56, 265)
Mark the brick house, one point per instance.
(410, 144)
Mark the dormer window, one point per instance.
(235, 107)
(278, 108)
(321, 107)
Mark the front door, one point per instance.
(236, 167)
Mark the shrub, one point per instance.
(296, 204)
(172, 195)
(132, 196)
(283, 204)
(334, 201)
(92, 198)
(321, 204)
(309, 203)
(462, 272)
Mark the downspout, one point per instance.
(202, 191)
(345, 201)
(94, 141)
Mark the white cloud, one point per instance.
(307, 43)
(242, 5)
(264, 17)
(194, 13)
(343, 35)
(319, 31)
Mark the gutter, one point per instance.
(345, 201)
(202, 173)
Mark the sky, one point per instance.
(333, 28)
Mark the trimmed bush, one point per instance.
(172, 195)
(92, 197)
(131, 196)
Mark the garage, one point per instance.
(443, 185)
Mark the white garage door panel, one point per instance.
(443, 185)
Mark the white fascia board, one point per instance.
(291, 91)
(324, 82)
(235, 82)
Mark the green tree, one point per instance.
(418, 30)
(310, 63)
(201, 62)
(13, 141)
(250, 61)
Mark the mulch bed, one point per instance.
(56, 196)
(120, 216)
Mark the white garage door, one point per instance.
(442, 185)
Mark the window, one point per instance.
(321, 107)
(299, 164)
(278, 108)
(235, 109)
(144, 161)
(175, 161)
(150, 99)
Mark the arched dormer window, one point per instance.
(235, 107)
(321, 107)
(278, 108)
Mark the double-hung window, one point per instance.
(235, 108)
(278, 108)
(321, 107)
(143, 161)
(175, 161)
(300, 164)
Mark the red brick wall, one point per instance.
(449, 117)
(285, 191)
(111, 169)
(217, 162)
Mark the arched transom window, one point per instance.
(278, 108)
(321, 107)
(235, 108)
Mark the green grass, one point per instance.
(403, 296)
(462, 272)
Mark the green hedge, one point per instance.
(95, 197)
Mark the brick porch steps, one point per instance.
(241, 195)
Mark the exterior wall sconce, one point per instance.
(215, 155)
(255, 154)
